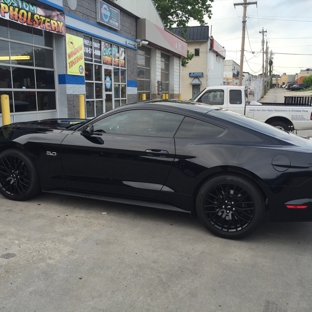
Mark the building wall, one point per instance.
(175, 77)
(303, 74)
(197, 64)
(208, 62)
(86, 14)
(283, 80)
(143, 11)
(215, 69)
(231, 70)
(81, 21)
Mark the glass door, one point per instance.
(108, 88)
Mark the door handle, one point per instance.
(154, 152)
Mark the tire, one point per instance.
(230, 206)
(19, 179)
(282, 125)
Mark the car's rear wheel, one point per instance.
(230, 206)
(18, 176)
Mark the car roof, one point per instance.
(176, 105)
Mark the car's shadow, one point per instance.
(280, 232)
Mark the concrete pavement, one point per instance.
(69, 254)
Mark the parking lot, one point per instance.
(63, 253)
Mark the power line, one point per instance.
(283, 20)
(292, 53)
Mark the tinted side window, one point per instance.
(193, 128)
(140, 122)
(213, 97)
(236, 97)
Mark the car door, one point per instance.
(127, 154)
(197, 149)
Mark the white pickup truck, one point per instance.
(286, 116)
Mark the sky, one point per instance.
(288, 26)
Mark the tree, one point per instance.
(187, 59)
(308, 80)
(179, 13)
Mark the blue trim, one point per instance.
(101, 37)
(132, 84)
(71, 79)
(49, 3)
(97, 26)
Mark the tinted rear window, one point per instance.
(193, 128)
(258, 126)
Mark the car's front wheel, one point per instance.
(18, 176)
(230, 206)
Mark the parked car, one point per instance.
(289, 85)
(300, 86)
(175, 155)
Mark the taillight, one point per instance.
(296, 206)
(311, 116)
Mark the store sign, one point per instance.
(108, 15)
(196, 75)
(31, 15)
(75, 55)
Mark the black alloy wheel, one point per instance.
(230, 206)
(18, 176)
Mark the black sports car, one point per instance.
(181, 156)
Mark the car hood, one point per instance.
(52, 123)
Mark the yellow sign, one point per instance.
(75, 55)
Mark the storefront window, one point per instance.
(144, 72)
(4, 28)
(165, 72)
(21, 54)
(98, 72)
(20, 33)
(26, 67)
(105, 73)
(4, 51)
(89, 71)
(23, 78)
(43, 58)
(41, 39)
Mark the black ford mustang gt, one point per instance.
(181, 156)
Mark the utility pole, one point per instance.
(244, 4)
(263, 80)
(267, 85)
(271, 68)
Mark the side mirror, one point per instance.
(87, 131)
